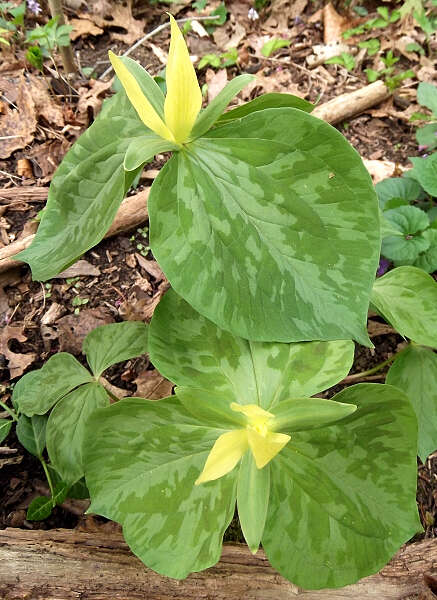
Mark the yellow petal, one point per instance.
(184, 98)
(226, 452)
(145, 110)
(264, 448)
(252, 411)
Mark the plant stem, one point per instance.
(49, 480)
(65, 51)
(11, 412)
(375, 369)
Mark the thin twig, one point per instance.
(153, 33)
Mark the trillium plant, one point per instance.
(266, 224)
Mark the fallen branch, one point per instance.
(68, 564)
(132, 212)
(353, 103)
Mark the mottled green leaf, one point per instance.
(425, 172)
(109, 344)
(300, 414)
(5, 427)
(39, 509)
(272, 100)
(397, 187)
(37, 391)
(66, 426)
(142, 150)
(215, 108)
(407, 298)
(260, 230)
(31, 433)
(415, 372)
(141, 460)
(253, 491)
(343, 497)
(206, 357)
(85, 192)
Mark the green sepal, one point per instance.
(142, 150)
(215, 108)
(300, 414)
(272, 100)
(36, 392)
(414, 371)
(253, 491)
(31, 433)
(407, 299)
(211, 408)
(66, 426)
(5, 427)
(147, 83)
(86, 191)
(110, 344)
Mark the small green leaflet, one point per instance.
(407, 298)
(268, 228)
(31, 433)
(273, 45)
(5, 427)
(415, 372)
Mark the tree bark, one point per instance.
(66, 564)
(65, 51)
(132, 212)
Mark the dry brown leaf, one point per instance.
(91, 98)
(45, 105)
(281, 81)
(281, 12)
(47, 156)
(80, 268)
(24, 168)
(333, 24)
(151, 267)
(54, 313)
(72, 329)
(83, 27)
(382, 169)
(17, 362)
(17, 126)
(216, 82)
(152, 385)
(229, 36)
(375, 328)
(117, 19)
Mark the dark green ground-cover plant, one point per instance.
(332, 506)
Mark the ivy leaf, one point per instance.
(268, 227)
(402, 188)
(85, 192)
(37, 391)
(410, 221)
(407, 298)
(138, 479)
(272, 100)
(31, 433)
(65, 429)
(343, 478)
(425, 172)
(415, 372)
(110, 344)
(204, 356)
(5, 427)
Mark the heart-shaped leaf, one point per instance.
(109, 344)
(410, 221)
(401, 188)
(415, 372)
(85, 192)
(425, 172)
(142, 458)
(193, 352)
(259, 229)
(407, 298)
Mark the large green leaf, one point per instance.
(273, 235)
(141, 461)
(85, 192)
(425, 172)
(36, 392)
(31, 433)
(109, 344)
(343, 498)
(66, 426)
(193, 352)
(407, 298)
(415, 372)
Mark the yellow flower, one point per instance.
(184, 98)
(258, 436)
